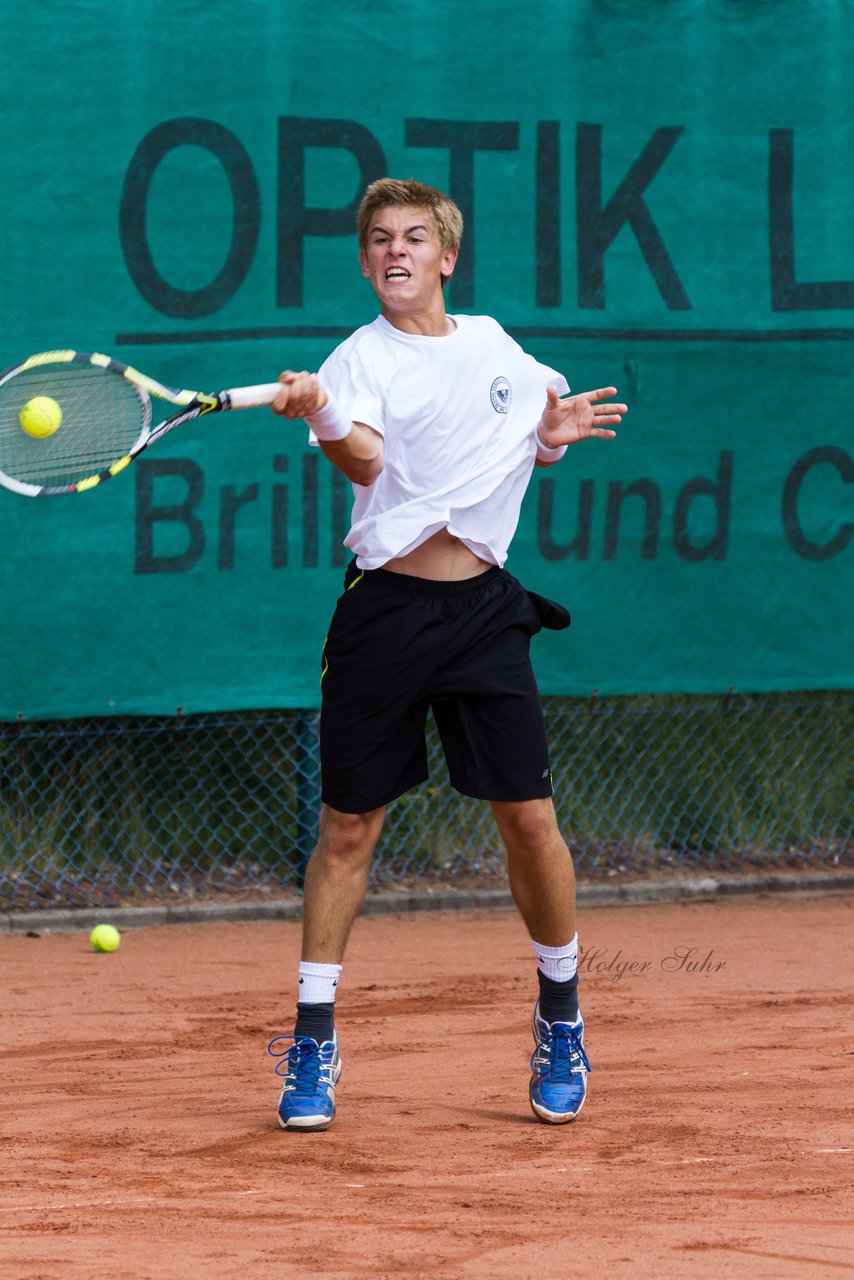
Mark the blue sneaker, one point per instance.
(311, 1072)
(559, 1065)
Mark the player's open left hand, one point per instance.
(300, 396)
(579, 417)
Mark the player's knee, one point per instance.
(528, 824)
(350, 837)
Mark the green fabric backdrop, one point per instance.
(656, 195)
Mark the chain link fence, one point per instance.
(109, 812)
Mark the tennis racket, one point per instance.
(96, 418)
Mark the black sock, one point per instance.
(316, 1021)
(558, 1000)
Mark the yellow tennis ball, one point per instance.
(104, 937)
(40, 417)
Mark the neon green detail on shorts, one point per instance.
(324, 661)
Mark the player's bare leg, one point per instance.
(335, 885)
(336, 881)
(542, 881)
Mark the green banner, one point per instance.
(657, 196)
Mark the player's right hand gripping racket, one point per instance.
(91, 417)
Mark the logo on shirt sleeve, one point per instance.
(501, 395)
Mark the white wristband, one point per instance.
(545, 454)
(329, 422)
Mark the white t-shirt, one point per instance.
(458, 416)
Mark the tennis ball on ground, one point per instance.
(40, 417)
(104, 937)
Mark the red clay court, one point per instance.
(140, 1137)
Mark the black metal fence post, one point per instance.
(308, 788)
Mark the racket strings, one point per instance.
(103, 417)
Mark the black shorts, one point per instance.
(399, 646)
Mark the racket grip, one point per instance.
(252, 397)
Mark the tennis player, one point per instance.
(438, 421)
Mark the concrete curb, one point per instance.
(68, 920)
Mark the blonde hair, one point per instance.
(401, 192)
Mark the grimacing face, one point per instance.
(404, 258)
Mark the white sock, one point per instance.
(317, 982)
(558, 963)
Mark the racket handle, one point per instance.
(252, 397)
